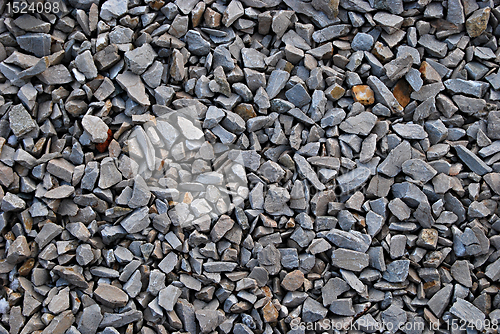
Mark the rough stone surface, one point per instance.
(237, 166)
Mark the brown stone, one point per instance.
(382, 52)
(476, 23)
(363, 94)
(188, 198)
(101, 147)
(25, 269)
(270, 313)
(429, 74)
(428, 238)
(293, 280)
(197, 13)
(245, 111)
(288, 67)
(212, 18)
(335, 92)
(157, 5)
(267, 291)
(402, 92)
(329, 7)
(430, 288)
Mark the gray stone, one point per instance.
(60, 323)
(392, 165)
(343, 307)
(469, 105)
(360, 124)
(20, 121)
(354, 179)
(413, 77)
(36, 43)
(374, 223)
(85, 64)
(383, 94)
(455, 12)
(18, 251)
(418, 170)
(393, 318)
(168, 263)
(196, 43)
(313, 311)
(397, 271)
(111, 296)
(353, 240)
(329, 33)
(434, 47)
(298, 95)
(139, 59)
(120, 319)
(276, 82)
(362, 41)
(59, 302)
(219, 266)
(460, 272)
(440, 300)
(96, 128)
(109, 174)
(398, 67)
(468, 313)
(132, 83)
(90, 319)
(233, 11)
(332, 289)
(112, 9)
(253, 59)
(468, 87)
(410, 131)
(11, 202)
(168, 297)
(472, 161)
(349, 260)
(48, 232)
(493, 271)
(72, 275)
(306, 171)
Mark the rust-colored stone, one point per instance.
(245, 111)
(334, 93)
(188, 198)
(102, 147)
(478, 22)
(288, 67)
(402, 92)
(25, 269)
(363, 94)
(429, 74)
(212, 18)
(197, 13)
(293, 280)
(270, 313)
(9, 236)
(382, 52)
(267, 291)
(156, 5)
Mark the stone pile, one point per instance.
(249, 166)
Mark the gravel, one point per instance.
(244, 166)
